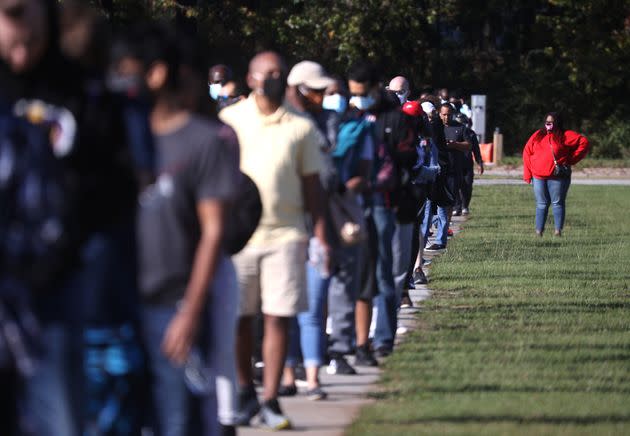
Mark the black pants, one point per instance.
(465, 189)
(8, 402)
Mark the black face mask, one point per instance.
(273, 88)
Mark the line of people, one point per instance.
(164, 254)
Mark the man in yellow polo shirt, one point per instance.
(281, 152)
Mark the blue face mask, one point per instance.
(361, 102)
(335, 102)
(214, 89)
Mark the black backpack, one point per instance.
(37, 235)
(243, 217)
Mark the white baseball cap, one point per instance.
(310, 74)
(428, 107)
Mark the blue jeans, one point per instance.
(53, 394)
(385, 301)
(441, 236)
(177, 413)
(554, 192)
(402, 249)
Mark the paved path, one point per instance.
(574, 181)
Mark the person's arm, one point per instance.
(527, 152)
(314, 200)
(476, 150)
(581, 148)
(458, 145)
(181, 331)
(361, 181)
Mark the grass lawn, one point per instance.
(522, 335)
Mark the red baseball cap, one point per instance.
(412, 108)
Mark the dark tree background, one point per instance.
(528, 56)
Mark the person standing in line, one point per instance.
(281, 152)
(307, 83)
(547, 159)
(188, 282)
(462, 204)
(457, 144)
(400, 85)
(218, 76)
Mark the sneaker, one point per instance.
(316, 394)
(248, 406)
(465, 211)
(227, 430)
(435, 247)
(287, 391)
(271, 416)
(364, 357)
(405, 301)
(381, 353)
(410, 284)
(419, 278)
(426, 262)
(457, 212)
(339, 366)
(449, 233)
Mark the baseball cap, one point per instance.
(310, 74)
(428, 107)
(412, 108)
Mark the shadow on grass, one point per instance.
(582, 420)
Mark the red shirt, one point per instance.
(569, 149)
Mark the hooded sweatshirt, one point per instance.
(568, 147)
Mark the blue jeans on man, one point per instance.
(441, 237)
(550, 192)
(386, 300)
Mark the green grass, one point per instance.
(522, 335)
(585, 163)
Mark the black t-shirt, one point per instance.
(455, 132)
(199, 161)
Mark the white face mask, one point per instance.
(361, 102)
(214, 89)
(335, 102)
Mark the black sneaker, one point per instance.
(382, 352)
(419, 278)
(363, 357)
(248, 406)
(272, 417)
(227, 430)
(339, 366)
(287, 391)
(435, 248)
(316, 394)
(410, 284)
(405, 301)
(457, 212)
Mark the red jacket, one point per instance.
(569, 148)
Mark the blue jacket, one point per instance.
(427, 167)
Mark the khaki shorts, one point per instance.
(272, 279)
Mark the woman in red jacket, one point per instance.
(547, 160)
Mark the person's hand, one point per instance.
(528, 181)
(179, 337)
(481, 169)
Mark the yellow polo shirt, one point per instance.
(276, 151)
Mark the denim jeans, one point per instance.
(177, 413)
(554, 192)
(441, 236)
(342, 298)
(52, 395)
(308, 330)
(385, 301)
(402, 249)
